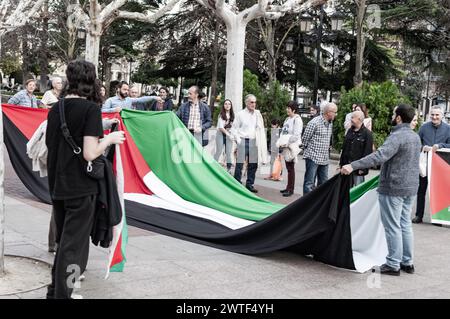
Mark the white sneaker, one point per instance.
(76, 296)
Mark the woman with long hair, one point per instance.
(72, 191)
(223, 138)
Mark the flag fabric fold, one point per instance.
(171, 186)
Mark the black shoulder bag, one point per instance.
(94, 169)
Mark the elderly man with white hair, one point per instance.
(358, 144)
(434, 135)
(52, 96)
(249, 133)
(316, 143)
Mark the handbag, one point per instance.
(276, 170)
(94, 169)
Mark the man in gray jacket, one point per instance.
(397, 188)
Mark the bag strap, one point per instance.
(65, 130)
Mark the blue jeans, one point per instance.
(313, 170)
(396, 218)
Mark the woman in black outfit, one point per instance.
(72, 191)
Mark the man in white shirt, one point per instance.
(244, 129)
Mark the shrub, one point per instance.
(380, 99)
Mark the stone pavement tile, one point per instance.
(162, 284)
(133, 273)
(322, 293)
(434, 292)
(35, 294)
(31, 251)
(258, 289)
(14, 238)
(235, 269)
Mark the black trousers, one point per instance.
(52, 233)
(421, 193)
(74, 219)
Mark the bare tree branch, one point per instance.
(20, 16)
(110, 9)
(145, 17)
(255, 11)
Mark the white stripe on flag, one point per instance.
(165, 198)
(368, 237)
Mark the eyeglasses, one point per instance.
(252, 102)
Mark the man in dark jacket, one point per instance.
(397, 188)
(358, 144)
(195, 115)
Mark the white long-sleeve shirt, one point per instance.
(244, 125)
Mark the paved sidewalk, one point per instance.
(163, 267)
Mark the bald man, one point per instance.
(358, 143)
(316, 143)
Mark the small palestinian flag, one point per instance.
(439, 185)
(172, 186)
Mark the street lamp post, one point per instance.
(305, 25)
(319, 40)
(290, 48)
(336, 25)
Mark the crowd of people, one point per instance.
(241, 140)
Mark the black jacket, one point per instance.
(357, 145)
(108, 211)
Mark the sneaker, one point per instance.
(407, 269)
(387, 270)
(82, 277)
(287, 194)
(76, 296)
(417, 220)
(283, 191)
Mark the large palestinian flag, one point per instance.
(439, 186)
(171, 186)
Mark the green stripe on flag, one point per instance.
(358, 191)
(443, 215)
(181, 163)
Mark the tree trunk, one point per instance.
(270, 43)
(94, 32)
(215, 57)
(25, 55)
(43, 54)
(108, 76)
(360, 42)
(235, 63)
